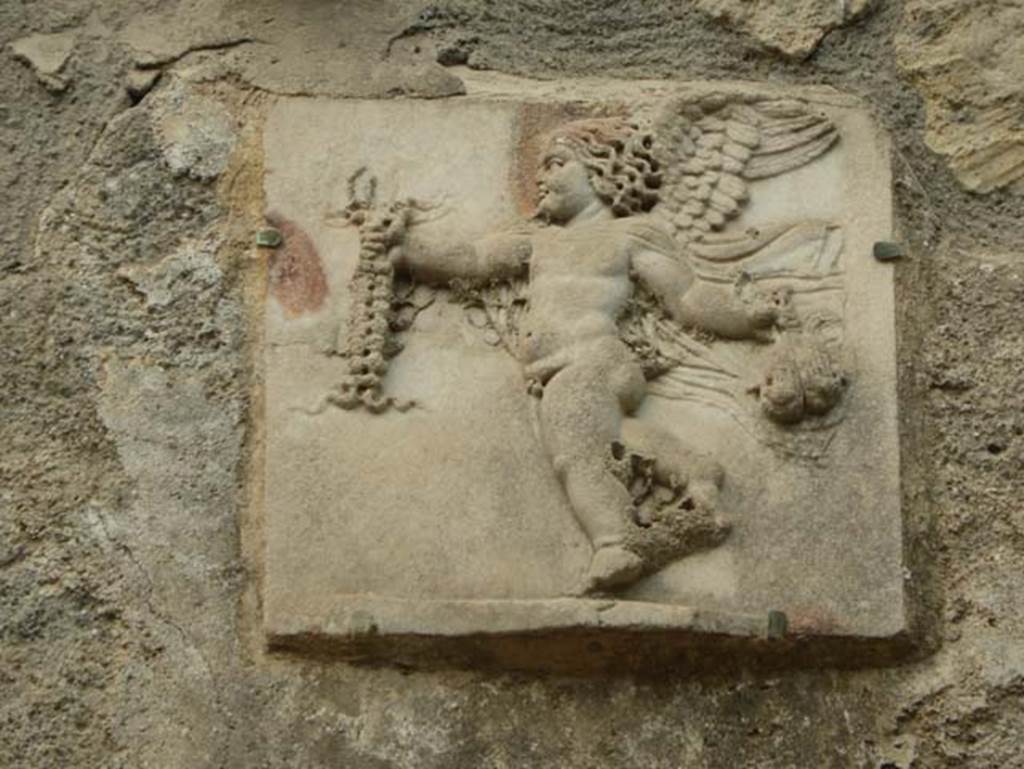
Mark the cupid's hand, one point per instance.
(769, 310)
(385, 228)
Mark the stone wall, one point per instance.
(131, 298)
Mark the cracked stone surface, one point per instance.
(313, 49)
(794, 29)
(47, 55)
(128, 632)
(196, 133)
(967, 60)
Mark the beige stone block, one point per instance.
(448, 531)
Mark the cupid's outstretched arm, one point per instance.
(727, 311)
(504, 255)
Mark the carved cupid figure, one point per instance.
(599, 238)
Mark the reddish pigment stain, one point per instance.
(297, 279)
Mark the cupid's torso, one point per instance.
(578, 286)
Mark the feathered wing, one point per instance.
(709, 149)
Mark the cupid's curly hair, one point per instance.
(618, 154)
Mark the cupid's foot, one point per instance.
(613, 566)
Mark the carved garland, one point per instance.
(369, 340)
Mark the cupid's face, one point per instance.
(564, 185)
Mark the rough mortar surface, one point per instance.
(127, 287)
